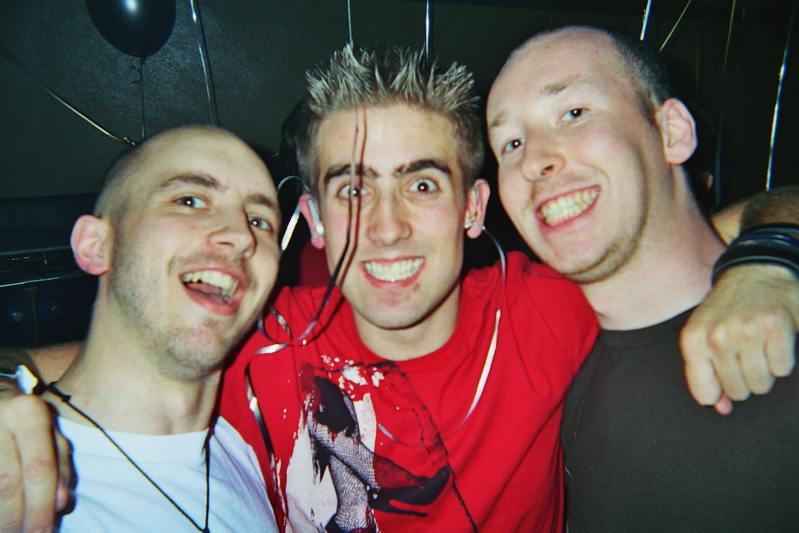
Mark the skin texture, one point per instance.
(409, 210)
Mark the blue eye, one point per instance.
(191, 201)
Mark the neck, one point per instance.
(120, 387)
(420, 339)
(667, 274)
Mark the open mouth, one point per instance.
(211, 284)
(393, 270)
(568, 206)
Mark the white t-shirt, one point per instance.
(111, 495)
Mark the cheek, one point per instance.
(268, 262)
(336, 230)
(512, 190)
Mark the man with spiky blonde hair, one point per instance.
(398, 76)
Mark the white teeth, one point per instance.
(393, 271)
(567, 207)
(226, 283)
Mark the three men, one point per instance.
(417, 399)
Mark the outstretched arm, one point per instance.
(34, 457)
(744, 335)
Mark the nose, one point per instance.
(234, 233)
(386, 221)
(542, 157)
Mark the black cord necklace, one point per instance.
(66, 399)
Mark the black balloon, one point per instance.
(137, 27)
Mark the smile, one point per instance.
(568, 206)
(393, 270)
(211, 283)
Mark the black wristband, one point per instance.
(776, 244)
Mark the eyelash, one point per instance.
(575, 113)
(255, 222)
(507, 147)
(350, 191)
(432, 185)
(191, 201)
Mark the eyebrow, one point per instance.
(560, 86)
(402, 170)
(423, 164)
(263, 200)
(192, 179)
(344, 170)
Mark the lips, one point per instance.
(568, 206)
(211, 284)
(393, 270)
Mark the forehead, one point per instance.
(226, 159)
(385, 137)
(552, 62)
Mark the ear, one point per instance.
(476, 202)
(678, 131)
(313, 220)
(91, 244)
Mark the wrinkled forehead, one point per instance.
(224, 157)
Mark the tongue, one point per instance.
(211, 292)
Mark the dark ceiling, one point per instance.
(259, 49)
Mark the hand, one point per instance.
(34, 466)
(743, 336)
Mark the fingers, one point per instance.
(66, 477)
(724, 405)
(745, 332)
(781, 353)
(703, 383)
(28, 470)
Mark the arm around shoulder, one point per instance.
(744, 335)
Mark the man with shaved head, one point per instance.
(184, 242)
(591, 144)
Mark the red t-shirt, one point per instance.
(378, 445)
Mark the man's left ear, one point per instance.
(476, 202)
(678, 131)
(91, 244)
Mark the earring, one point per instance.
(315, 216)
(469, 223)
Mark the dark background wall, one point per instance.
(259, 49)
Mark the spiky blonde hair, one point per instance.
(393, 76)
